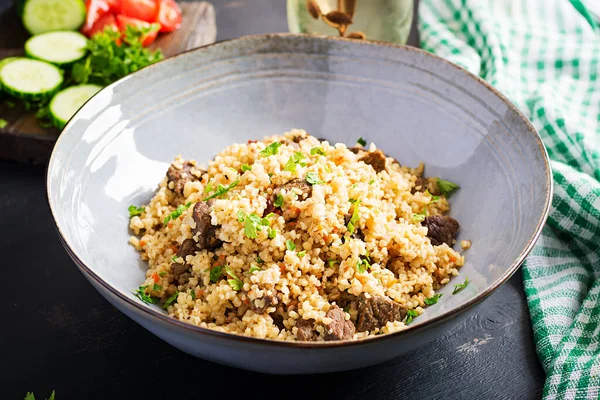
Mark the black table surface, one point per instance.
(58, 333)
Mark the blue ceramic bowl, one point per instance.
(415, 106)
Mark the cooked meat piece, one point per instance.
(339, 328)
(306, 330)
(260, 305)
(305, 188)
(321, 140)
(376, 311)
(187, 248)
(441, 229)
(180, 176)
(269, 208)
(298, 139)
(423, 183)
(204, 232)
(375, 159)
(277, 320)
(357, 150)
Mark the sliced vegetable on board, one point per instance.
(96, 9)
(107, 20)
(67, 102)
(123, 21)
(30, 80)
(145, 10)
(40, 16)
(169, 15)
(60, 47)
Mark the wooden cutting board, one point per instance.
(23, 139)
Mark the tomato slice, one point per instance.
(169, 15)
(115, 6)
(94, 10)
(124, 20)
(141, 9)
(102, 22)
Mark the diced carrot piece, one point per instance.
(155, 277)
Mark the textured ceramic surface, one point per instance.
(411, 104)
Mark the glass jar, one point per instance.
(385, 20)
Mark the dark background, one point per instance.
(58, 333)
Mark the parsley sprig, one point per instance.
(133, 211)
(271, 149)
(313, 179)
(31, 396)
(234, 282)
(410, 315)
(253, 224)
(295, 159)
(171, 300)
(221, 190)
(354, 218)
(447, 187)
(433, 299)
(362, 265)
(177, 213)
(461, 286)
(112, 56)
(141, 294)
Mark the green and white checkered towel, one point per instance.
(544, 56)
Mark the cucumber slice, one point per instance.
(60, 47)
(67, 102)
(40, 16)
(30, 80)
(3, 62)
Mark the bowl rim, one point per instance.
(152, 313)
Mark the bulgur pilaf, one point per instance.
(293, 238)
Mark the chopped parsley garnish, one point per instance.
(278, 201)
(216, 273)
(433, 299)
(295, 159)
(460, 286)
(253, 223)
(171, 300)
(327, 168)
(410, 314)
(3, 123)
(302, 253)
(175, 214)
(254, 268)
(162, 274)
(259, 260)
(241, 215)
(271, 149)
(31, 396)
(331, 262)
(133, 210)
(272, 233)
(141, 294)
(434, 199)
(447, 187)
(174, 258)
(354, 185)
(317, 150)
(193, 294)
(313, 179)
(290, 245)
(208, 188)
(420, 216)
(354, 218)
(352, 201)
(246, 167)
(361, 141)
(221, 190)
(156, 287)
(362, 266)
(234, 282)
(372, 181)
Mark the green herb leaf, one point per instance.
(362, 266)
(241, 215)
(250, 229)
(278, 201)
(177, 213)
(447, 187)
(133, 211)
(221, 190)
(246, 167)
(433, 299)
(460, 286)
(302, 253)
(434, 199)
(3, 123)
(216, 273)
(272, 233)
(361, 141)
(174, 258)
(208, 188)
(140, 293)
(410, 314)
(259, 260)
(331, 262)
(271, 149)
(162, 274)
(193, 294)
(230, 272)
(29, 396)
(156, 287)
(254, 268)
(353, 219)
(420, 216)
(313, 179)
(352, 201)
(235, 284)
(171, 299)
(290, 245)
(317, 150)
(372, 181)
(295, 159)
